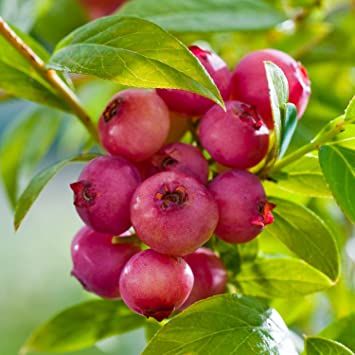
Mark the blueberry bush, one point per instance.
(218, 192)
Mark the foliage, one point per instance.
(309, 168)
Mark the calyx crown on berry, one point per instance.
(169, 197)
(265, 216)
(112, 109)
(248, 114)
(84, 193)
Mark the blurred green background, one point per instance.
(35, 263)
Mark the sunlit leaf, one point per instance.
(280, 277)
(338, 166)
(224, 324)
(322, 346)
(81, 326)
(133, 52)
(207, 15)
(38, 183)
(306, 235)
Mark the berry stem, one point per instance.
(325, 135)
(49, 75)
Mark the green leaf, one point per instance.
(224, 325)
(248, 251)
(206, 16)
(306, 235)
(342, 330)
(37, 184)
(24, 144)
(338, 166)
(280, 277)
(322, 346)
(113, 48)
(350, 111)
(151, 327)
(229, 253)
(289, 127)
(81, 326)
(53, 22)
(278, 91)
(303, 177)
(18, 78)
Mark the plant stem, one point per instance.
(325, 135)
(49, 75)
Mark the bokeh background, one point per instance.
(35, 281)
(35, 262)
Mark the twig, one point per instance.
(49, 75)
(325, 135)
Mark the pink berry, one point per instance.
(154, 284)
(237, 138)
(243, 207)
(210, 275)
(101, 8)
(103, 193)
(184, 158)
(98, 263)
(173, 213)
(135, 124)
(249, 83)
(194, 104)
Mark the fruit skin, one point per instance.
(103, 193)
(99, 8)
(173, 213)
(98, 263)
(135, 124)
(210, 275)
(243, 207)
(237, 138)
(154, 284)
(183, 158)
(194, 104)
(249, 82)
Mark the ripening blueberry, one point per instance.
(135, 124)
(103, 192)
(237, 138)
(101, 8)
(173, 213)
(210, 275)
(183, 158)
(194, 104)
(98, 263)
(154, 284)
(243, 208)
(249, 83)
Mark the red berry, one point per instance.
(194, 104)
(103, 193)
(99, 8)
(98, 263)
(154, 284)
(210, 275)
(243, 207)
(135, 124)
(237, 138)
(173, 213)
(183, 158)
(249, 83)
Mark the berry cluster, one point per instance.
(162, 190)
